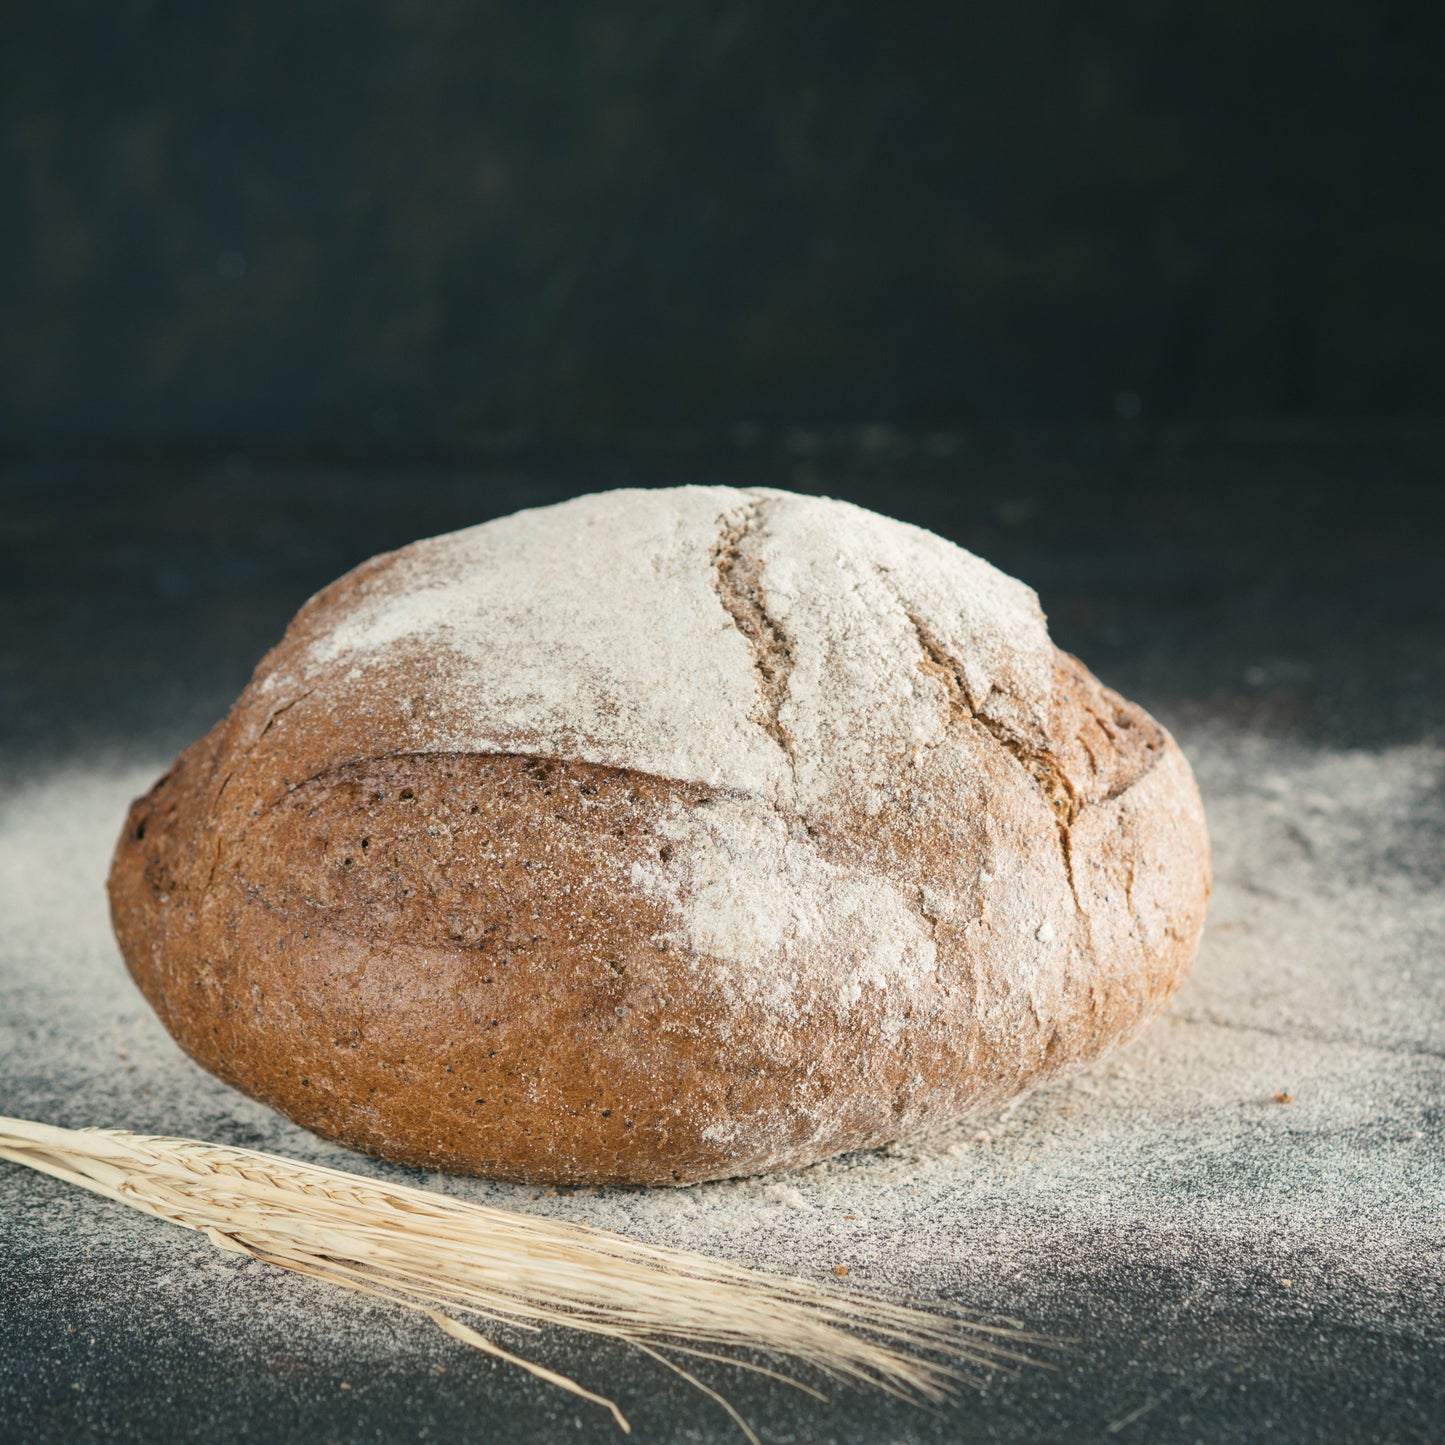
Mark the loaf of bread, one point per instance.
(660, 836)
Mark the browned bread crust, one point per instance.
(461, 959)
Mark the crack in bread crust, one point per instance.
(1049, 778)
(1075, 690)
(740, 588)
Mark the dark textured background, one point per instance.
(420, 227)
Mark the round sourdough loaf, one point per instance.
(659, 836)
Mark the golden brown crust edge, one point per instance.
(490, 996)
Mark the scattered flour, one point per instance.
(1322, 978)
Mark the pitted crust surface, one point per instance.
(662, 836)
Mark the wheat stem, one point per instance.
(442, 1256)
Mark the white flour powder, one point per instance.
(1322, 978)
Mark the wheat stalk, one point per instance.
(434, 1253)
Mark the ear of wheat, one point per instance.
(447, 1257)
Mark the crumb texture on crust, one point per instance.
(660, 836)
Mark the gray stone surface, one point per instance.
(1212, 1263)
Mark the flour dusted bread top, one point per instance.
(635, 629)
(661, 835)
